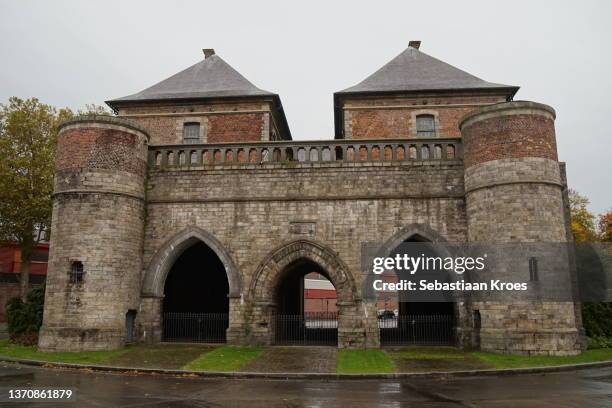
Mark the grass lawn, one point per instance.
(231, 358)
(226, 358)
(514, 361)
(364, 361)
(31, 353)
(415, 359)
(279, 359)
(171, 356)
(157, 356)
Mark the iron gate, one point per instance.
(195, 327)
(421, 330)
(312, 328)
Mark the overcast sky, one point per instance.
(70, 53)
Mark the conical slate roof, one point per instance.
(413, 70)
(209, 78)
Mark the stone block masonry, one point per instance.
(196, 192)
(250, 212)
(128, 223)
(514, 193)
(98, 215)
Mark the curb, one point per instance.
(312, 376)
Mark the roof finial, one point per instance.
(208, 52)
(415, 44)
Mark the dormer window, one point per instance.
(426, 126)
(191, 133)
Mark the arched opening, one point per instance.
(339, 155)
(196, 303)
(289, 154)
(417, 317)
(306, 311)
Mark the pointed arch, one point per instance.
(269, 271)
(164, 258)
(420, 231)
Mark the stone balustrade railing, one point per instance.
(190, 155)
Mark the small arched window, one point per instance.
(191, 133)
(76, 272)
(426, 126)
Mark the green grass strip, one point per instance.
(227, 358)
(516, 361)
(430, 353)
(364, 361)
(80, 357)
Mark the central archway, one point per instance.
(294, 323)
(280, 275)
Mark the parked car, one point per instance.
(386, 314)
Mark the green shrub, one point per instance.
(597, 319)
(25, 318)
(599, 342)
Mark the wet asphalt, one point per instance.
(578, 389)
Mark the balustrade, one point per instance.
(191, 155)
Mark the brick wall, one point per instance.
(94, 148)
(314, 303)
(396, 117)
(245, 127)
(219, 122)
(520, 135)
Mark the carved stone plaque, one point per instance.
(302, 228)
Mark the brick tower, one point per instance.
(513, 190)
(93, 282)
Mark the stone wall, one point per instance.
(255, 210)
(514, 194)
(128, 225)
(97, 220)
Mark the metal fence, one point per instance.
(195, 327)
(422, 330)
(312, 328)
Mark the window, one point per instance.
(533, 269)
(191, 133)
(76, 272)
(426, 126)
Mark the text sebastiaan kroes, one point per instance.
(403, 263)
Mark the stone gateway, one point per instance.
(193, 215)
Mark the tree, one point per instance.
(604, 226)
(94, 110)
(596, 316)
(28, 132)
(582, 221)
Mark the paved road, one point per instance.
(581, 389)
